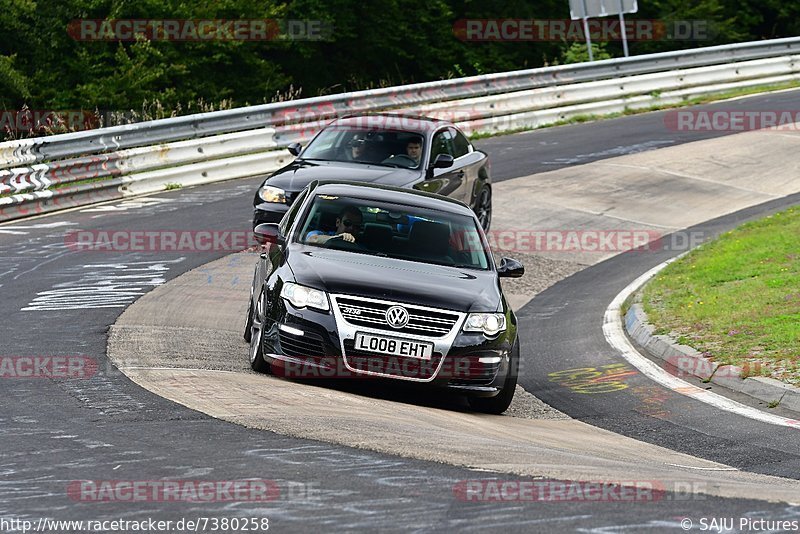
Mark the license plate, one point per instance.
(394, 346)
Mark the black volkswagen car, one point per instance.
(374, 281)
(399, 150)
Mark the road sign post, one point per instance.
(586, 32)
(622, 28)
(586, 9)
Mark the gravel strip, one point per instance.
(540, 273)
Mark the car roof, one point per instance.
(392, 194)
(391, 121)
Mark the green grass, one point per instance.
(626, 306)
(705, 99)
(737, 299)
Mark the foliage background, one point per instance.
(374, 43)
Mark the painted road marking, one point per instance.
(590, 380)
(696, 468)
(614, 332)
(621, 150)
(129, 205)
(103, 285)
(23, 229)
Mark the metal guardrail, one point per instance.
(47, 173)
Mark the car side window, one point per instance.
(461, 145)
(288, 219)
(442, 144)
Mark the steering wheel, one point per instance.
(403, 159)
(338, 243)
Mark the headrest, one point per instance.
(430, 237)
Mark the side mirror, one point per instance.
(268, 233)
(510, 268)
(443, 161)
(294, 149)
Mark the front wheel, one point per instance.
(483, 208)
(257, 361)
(248, 322)
(500, 402)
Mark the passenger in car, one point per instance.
(348, 224)
(356, 148)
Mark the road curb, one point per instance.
(688, 361)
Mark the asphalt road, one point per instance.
(53, 432)
(549, 149)
(565, 342)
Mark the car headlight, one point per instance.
(489, 323)
(302, 296)
(272, 194)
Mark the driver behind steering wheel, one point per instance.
(348, 224)
(414, 149)
(409, 160)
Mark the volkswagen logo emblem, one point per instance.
(397, 317)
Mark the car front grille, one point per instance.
(371, 314)
(393, 366)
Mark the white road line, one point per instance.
(16, 229)
(125, 205)
(703, 468)
(690, 177)
(614, 331)
(191, 369)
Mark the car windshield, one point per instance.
(392, 148)
(392, 230)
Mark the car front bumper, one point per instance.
(307, 344)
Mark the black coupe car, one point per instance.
(374, 281)
(399, 150)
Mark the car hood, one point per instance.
(300, 173)
(437, 286)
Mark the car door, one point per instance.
(450, 181)
(471, 162)
(273, 257)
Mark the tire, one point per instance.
(483, 207)
(500, 402)
(257, 361)
(248, 322)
